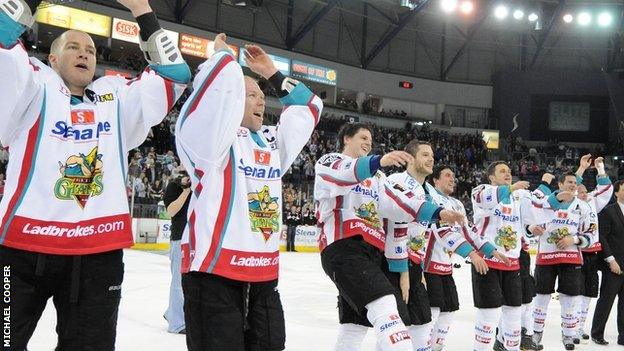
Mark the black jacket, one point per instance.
(611, 232)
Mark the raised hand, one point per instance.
(258, 61)
(547, 178)
(220, 42)
(396, 158)
(600, 167)
(585, 161)
(137, 7)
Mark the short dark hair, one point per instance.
(617, 185)
(349, 130)
(437, 171)
(564, 175)
(492, 167)
(412, 147)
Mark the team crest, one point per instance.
(507, 238)
(81, 178)
(557, 234)
(263, 212)
(417, 243)
(368, 213)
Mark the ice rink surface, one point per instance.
(309, 300)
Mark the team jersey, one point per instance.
(353, 197)
(597, 200)
(66, 179)
(576, 218)
(500, 217)
(431, 244)
(235, 211)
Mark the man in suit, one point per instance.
(611, 224)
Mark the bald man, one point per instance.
(64, 214)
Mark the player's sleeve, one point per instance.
(206, 128)
(20, 81)
(395, 249)
(603, 192)
(335, 175)
(401, 205)
(487, 196)
(588, 226)
(453, 239)
(471, 235)
(301, 112)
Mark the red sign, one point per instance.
(262, 157)
(507, 210)
(83, 117)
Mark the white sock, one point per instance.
(435, 313)
(391, 333)
(441, 328)
(350, 337)
(540, 304)
(487, 318)
(582, 314)
(421, 336)
(527, 318)
(510, 327)
(569, 310)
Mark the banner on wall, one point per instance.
(281, 63)
(314, 73)
(71, 18)
(200, 47)
(129, 31)
(306, 238)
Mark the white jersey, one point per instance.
(66, 177)
(500, 218)
(431, 244)
(353, 198)
(597, 200)
(576, 218)
(234, 215)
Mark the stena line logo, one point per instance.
(259, 171)
(67, 132)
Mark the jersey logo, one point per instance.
(507, 210)
(264, 212)
(562, 215)
(262, 157)
(368, 214)
(81, 178)
(557, 234)
(506, 237)
(83, 117)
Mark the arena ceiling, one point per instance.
(419, 40)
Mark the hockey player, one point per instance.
(65, 216)
(441, 245)
(570, 225)
(501, 212)
(230, 256)
(424, 246)
(597, 199)
(353, 197)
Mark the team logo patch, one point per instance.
(262, 157)
(506, 237)
(83, 117)
(81, 178)
(562, 215)
(368, 213)
(557, 234)
(417, 242)
(507, 210)
(263, 212)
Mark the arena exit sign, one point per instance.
(406, 85)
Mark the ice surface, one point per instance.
(309, 299)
